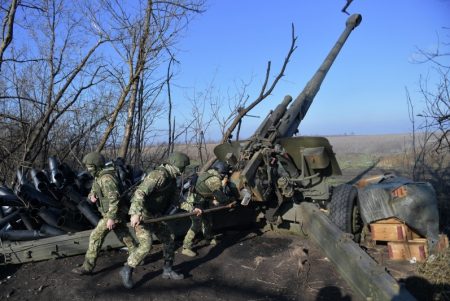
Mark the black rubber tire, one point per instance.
(344, 211)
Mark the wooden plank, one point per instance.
(52, 247)
(391, 220)
(77, 243)
(365, 276)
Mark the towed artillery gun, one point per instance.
(280, 170)
(287, 180)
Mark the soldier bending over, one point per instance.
(153, 198)
(209, 189)
(105, 194)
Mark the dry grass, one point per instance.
(437, 271)
(437, 268)
(375, 145)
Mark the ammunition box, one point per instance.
(416, 248)
(390, 232)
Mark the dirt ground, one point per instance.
(246, 265)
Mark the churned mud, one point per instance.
(245, 265)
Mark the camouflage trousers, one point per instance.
(144, 235)
(198, 223)
(98, 236)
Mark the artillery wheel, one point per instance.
(344, 210)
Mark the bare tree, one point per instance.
(46, 80)
(138, 40)
(63, 91)
(225, 110)
(200, 122)
(264, 92)
(170, 143)
(420, 143)
(8, 28)
(436, 114)
(431, 130)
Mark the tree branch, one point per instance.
(8, 25)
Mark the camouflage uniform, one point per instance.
(207, 188)
(153, 198)
(105, 189)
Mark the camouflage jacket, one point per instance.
(156, 193)
(207, 188)
(106, 189)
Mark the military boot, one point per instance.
(188, 252)
(168, 273)
(126, 273)
(81, 271)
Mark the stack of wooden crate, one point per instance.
(402, 242)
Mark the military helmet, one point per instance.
(94, 158)
(221, 167)
(178, 159)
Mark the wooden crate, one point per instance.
(390, 232)
(417, 248)
(407, 250)
(392, 229)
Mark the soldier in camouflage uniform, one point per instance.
(153, 198)
(105, 194)
(209, 189)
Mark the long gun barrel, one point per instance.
(289, 123)
(273, 118)
(282, 122)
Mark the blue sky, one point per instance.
(363, 93)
